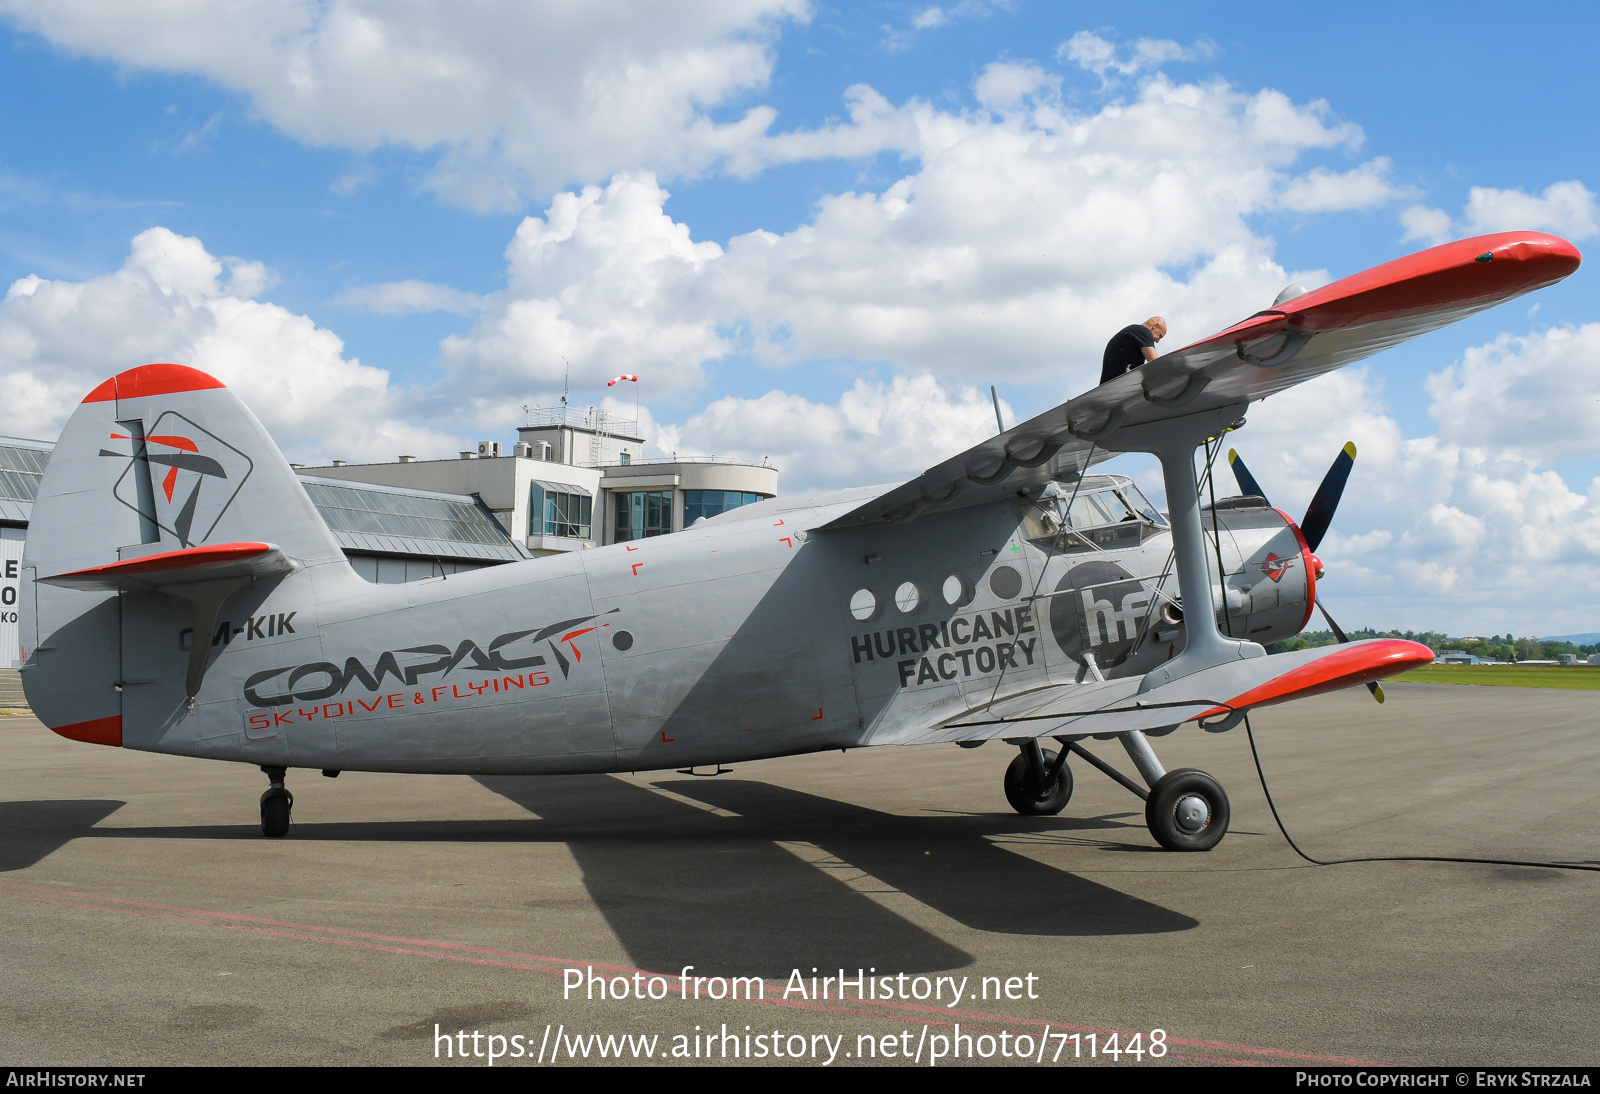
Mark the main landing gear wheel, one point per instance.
(1028, 797)
(275, 805)
(1187, 811)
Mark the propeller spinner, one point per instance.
(1319, 515)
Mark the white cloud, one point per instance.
(170, 302)
(517, 97)
(1456, 531)
(1566, 208)
(897, 429)
(1006, 85)
(1537, 396)
(1095, 54)
(410, 297)
(1430, 225)
(935, 16)
(1016, 243)
(605, 282)
(1322, 191)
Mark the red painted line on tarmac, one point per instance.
(1247, 1055)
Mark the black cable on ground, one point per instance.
(1250, 733)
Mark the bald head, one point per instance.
(1158, 326)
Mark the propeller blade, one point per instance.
(1332, 626)
(1319, 514)
(1241, 474)
(1372, 686)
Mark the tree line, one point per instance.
(1500, 647)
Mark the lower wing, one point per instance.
(1220, 692)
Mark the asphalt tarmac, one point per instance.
(146, 921)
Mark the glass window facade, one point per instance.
(352, 509)
(643, 513)
(568, 515)
(708, 503)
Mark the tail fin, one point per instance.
(159, 459)
(162, 458)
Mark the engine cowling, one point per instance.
(1269, 573)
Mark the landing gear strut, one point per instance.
(275, 804)
(1185, 810)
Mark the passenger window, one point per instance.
(1040, 522)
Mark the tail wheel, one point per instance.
(1031, 799)
(1187, 811)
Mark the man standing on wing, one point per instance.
(1131, 347)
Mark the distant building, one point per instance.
(575, 479)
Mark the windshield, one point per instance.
(1089, 509)
(1141, 505)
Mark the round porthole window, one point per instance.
(622, 641)
(910, 598)
(957, 590)
(1005, 582)
(864, 605)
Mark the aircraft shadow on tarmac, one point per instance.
(32, 831)
(679, 885)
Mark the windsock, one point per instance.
(625, 376)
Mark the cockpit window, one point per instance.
(1086, 511)
(1101, 509)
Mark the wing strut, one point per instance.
(1173, 443)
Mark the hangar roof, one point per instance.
(21, 466)
(389, 520)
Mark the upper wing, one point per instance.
(1275, 349)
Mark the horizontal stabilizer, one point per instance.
(159, 572)
(1117, 706)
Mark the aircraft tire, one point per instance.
(1187, 811)
(1029, 801)
(275, 806)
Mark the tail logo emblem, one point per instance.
(203, 476)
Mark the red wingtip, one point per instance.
(1481, 270)
(1358, 663)
(146, 380)
(99, 731)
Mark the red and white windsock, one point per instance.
(630, 377)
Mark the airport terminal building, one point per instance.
(573, 479)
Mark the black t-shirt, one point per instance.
(1125, 351)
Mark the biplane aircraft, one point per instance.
(1005, 594)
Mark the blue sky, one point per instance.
(97, 152)
(107, 137)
